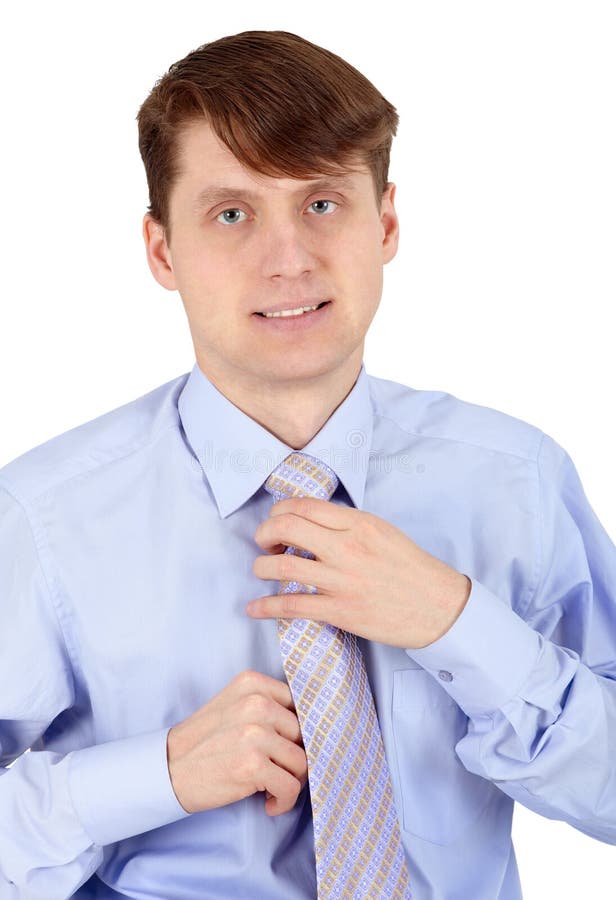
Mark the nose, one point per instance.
(288, 249)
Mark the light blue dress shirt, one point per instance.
(126, 553)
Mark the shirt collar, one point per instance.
(237, 454)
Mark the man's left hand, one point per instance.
(371, 578)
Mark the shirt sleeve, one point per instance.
(539, 688)
(57, 810)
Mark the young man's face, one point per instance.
(242, 244)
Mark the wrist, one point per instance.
(172, 752)
(449, 597)
(456, 597)
(174, 766)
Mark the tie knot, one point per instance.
(301, 475)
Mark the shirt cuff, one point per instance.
(485, 657)
(123, 788)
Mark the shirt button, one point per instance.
(445, 676)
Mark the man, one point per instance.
(142, 555)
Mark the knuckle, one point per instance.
(287, 566)
(251, 733)
(256, 704)
(350, 547)
(302, 761)
(251, 765)
(295, 787)
(246, 679)
(289, 603)
(290, 523)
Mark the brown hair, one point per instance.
(283, 106)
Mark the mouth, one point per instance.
(293, 312)
(293, 321)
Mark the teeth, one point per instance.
(290, 312)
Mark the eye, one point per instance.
(236, 214)
(321, 211)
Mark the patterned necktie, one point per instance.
(357, 841)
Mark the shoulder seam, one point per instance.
(99, 465)
(38, 539)
(438, 437)
(539, 541)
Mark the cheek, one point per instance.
(372, 288)
(202, 272)
(363, 266)
(363, 245)
(366, 287)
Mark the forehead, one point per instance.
(207, 167)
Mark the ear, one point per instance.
(158, 252)
(389, 223)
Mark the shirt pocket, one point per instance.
(440, 798)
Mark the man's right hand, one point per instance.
(245, 739)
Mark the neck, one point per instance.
(293, 410)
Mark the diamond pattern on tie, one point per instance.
(357, 840)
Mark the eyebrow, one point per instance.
(214, 193)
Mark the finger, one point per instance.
(296, 606)
(252, 682)
(281, 789)
(288, 530)
(303, 782)
(290, 760)
(287, 725)
(323, 512)
(261, 745)
(288, 755)
(261, 710)
(291, 567)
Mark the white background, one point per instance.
(503, 289)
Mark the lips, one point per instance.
(295, 305)
(294, 325)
